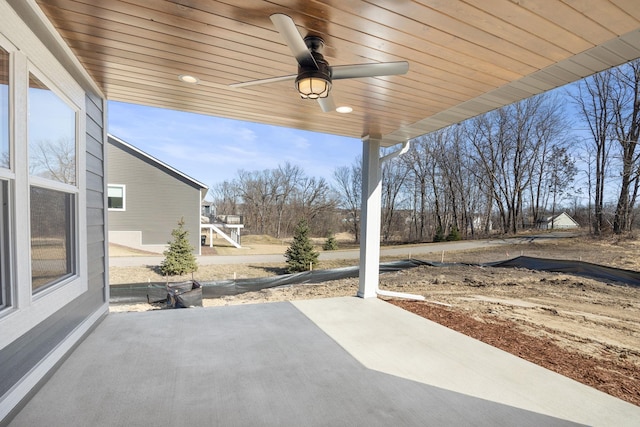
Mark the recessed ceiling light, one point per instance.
(188, 79)
(344, 109)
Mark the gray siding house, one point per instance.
(147, 198)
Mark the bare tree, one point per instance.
(273, 201)
(421, 166)
(258, 190)
(593, 99)
(484, 133)
(5, 161)
(348, 180)
(226, 197)
(510, 147)
(55, 160)
(626, 126)
(393, 177)
(314, 200)
(562, 172)
(550, 168)
(442, 183)
(464, 191)
(287, 177)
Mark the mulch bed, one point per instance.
(616, 377)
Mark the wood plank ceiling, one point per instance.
(465, 56)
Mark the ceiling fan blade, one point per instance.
(369, 70)
(287, 29)
(327, 104)
(264, 81)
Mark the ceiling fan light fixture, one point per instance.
(314, 81)
(313, 86)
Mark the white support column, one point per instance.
(370, 218)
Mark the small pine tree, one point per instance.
(439, 237)
(179, 258)
(454, 234)
(300, 255)
(331, 244)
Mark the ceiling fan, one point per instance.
(315, 75)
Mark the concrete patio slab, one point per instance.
(388, 339)
(337, 362)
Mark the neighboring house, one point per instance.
(481, 224)
(208, 209)
(560, 221)
(147, 198)
(226, 226)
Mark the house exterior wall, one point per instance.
(17, 359)
(155, 198)
(561, 221)
(39, 330)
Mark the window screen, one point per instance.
(52, 236)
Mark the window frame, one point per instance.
(123, 187)
(7, 175)
(54, 185)
(28, 309)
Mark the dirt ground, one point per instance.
(585, 329)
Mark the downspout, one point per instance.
(405, 147)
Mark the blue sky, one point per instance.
(212, 150)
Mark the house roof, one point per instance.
(114, 140)
(465, 57)
(564, 215)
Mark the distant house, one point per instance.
(208, 209)
(560, 221)
(481, 224)
(226, 226)
(147, 198)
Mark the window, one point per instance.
(52, 237)
(43, 196)
(52, 167)
(115, 197)
(52, 135)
